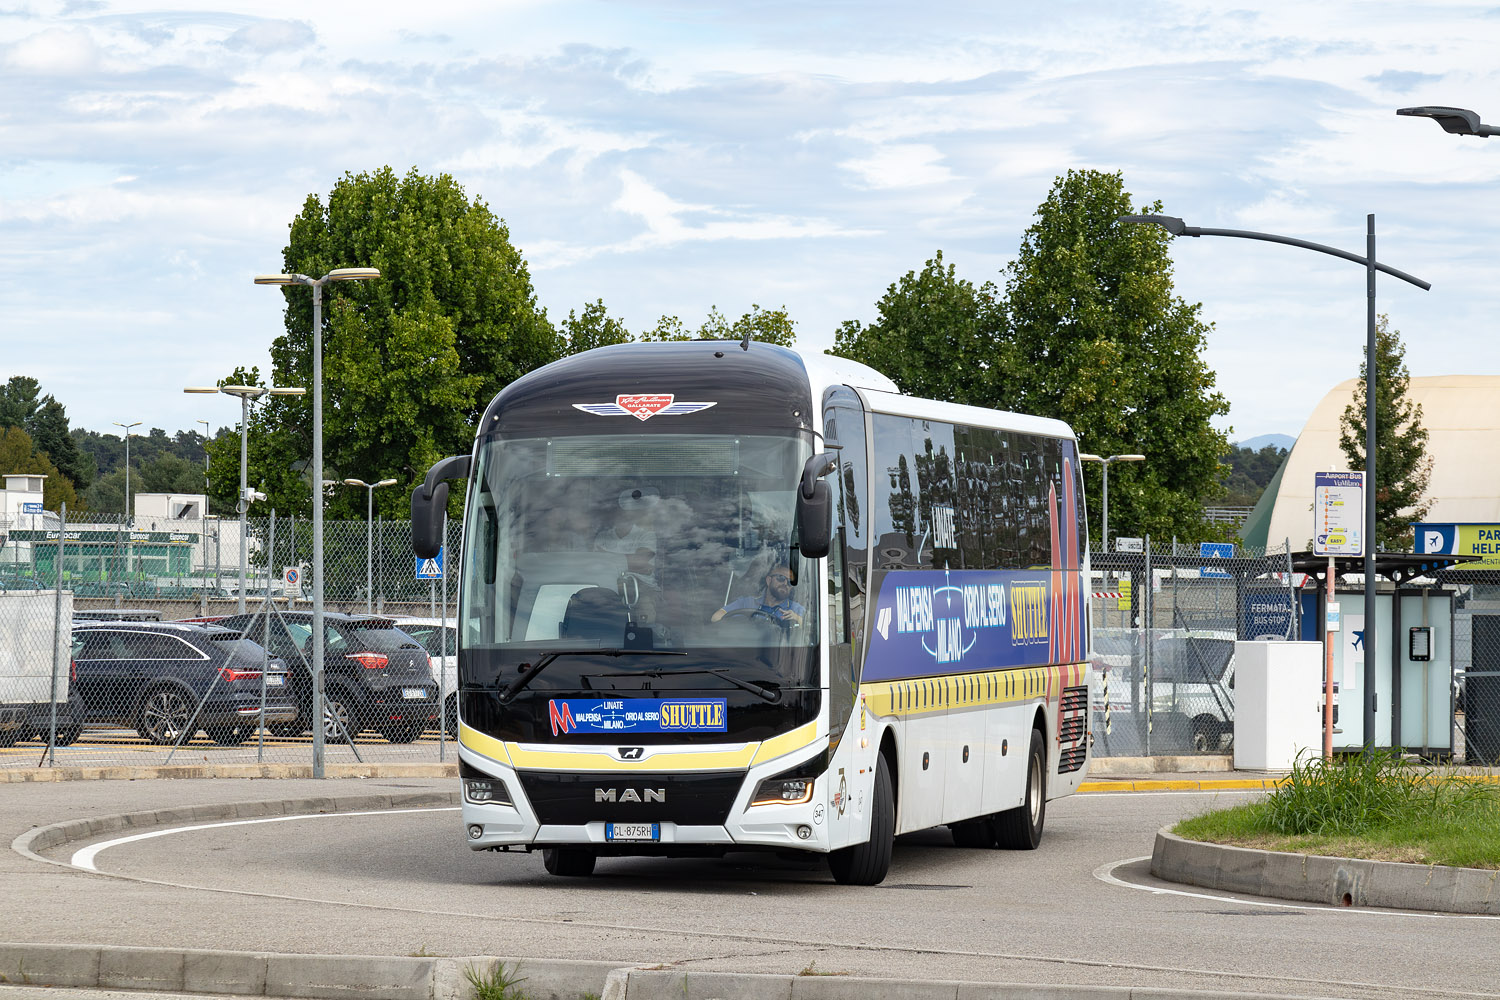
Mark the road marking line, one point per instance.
(84, 858)
(1106, 873)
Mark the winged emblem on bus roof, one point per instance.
(643, 406)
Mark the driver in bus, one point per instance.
(774, 602)
(632, 536)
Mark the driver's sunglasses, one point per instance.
(779, 576)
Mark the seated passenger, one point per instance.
(774, 602)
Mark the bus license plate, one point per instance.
(413, 694)
(632, 831)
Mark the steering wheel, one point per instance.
(751, 614)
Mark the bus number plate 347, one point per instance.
(632, 831)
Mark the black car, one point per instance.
(162, 677)
(374, 675)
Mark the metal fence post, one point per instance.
(1146, 602)
(62, 534)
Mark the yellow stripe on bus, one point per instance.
(663, 759)
(924, 695)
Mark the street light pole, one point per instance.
(316, 284)
(370, 489)
(1458, 121)
(246, 393)
(1177, 227)
(129, 521)
(1105, 462)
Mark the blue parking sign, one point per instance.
(431, 569)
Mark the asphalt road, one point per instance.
(402, 883)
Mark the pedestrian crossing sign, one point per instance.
(431, 569)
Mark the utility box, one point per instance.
(1278, 693)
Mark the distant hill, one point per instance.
(1284, 441)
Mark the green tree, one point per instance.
(1096, 337)
(765, 326)
(45, 421)
(1404, 466)
(935, 335)
(18, 454)
(411, 360)
(595, 328)
(1250, 471)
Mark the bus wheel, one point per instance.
(867, 863)
(1020, 829)
(570, 862)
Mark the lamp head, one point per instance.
(355, 482)
(353, 273)
(1458, 121)
(1170, 223)
(386, 482)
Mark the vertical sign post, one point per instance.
(1338, 530)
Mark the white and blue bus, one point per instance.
(720, 597)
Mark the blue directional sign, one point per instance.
(1215, 550)
(31, 508)
(431, 569)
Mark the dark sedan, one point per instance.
(170, 680)
(375, 676)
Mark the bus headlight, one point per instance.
(783, 790)
(481, 788)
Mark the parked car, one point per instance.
(374, 675)
(164, 677)
(442, 650)
(118, 614)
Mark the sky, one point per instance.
(675, 156)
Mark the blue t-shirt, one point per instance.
(774, 610)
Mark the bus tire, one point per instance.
(568, 862)
(1020, 829)
(868, 863)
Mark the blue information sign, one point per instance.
(637, 715)
(431, 569)
(1268, 614)
(1215, 550)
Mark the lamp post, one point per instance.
(370, 489)
(1105, 462)
(1459, 121)
(1177, 227)
(206, 425)
(246, 394)
(129, 521)
(316, 284)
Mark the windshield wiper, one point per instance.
(545, 660)
(766, 691)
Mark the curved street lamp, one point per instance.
(370, 489)
(1459, 121)
(1177, 227)
(1105, 462)
(316, 284)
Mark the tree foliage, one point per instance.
(935, 336)
(1088, 331)
(45, 422)
(1250, 472)
(765, 326)
(1403, 465)
(411, 360)
(19, 454)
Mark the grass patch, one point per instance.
(809, 970)
(1375, 805)
(495, 983)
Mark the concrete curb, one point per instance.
(1181, 785)
(248, 973)
(135, 773)
(1317, 879)
(377, 977)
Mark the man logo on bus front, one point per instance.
(642, 406)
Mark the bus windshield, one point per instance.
(640, 542)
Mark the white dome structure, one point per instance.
(1462, 416)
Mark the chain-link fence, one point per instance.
(126, 644)
(1165, 622)
(1476, 666)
